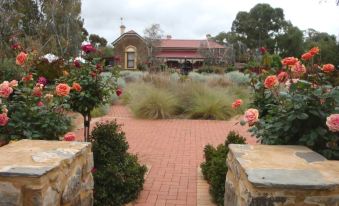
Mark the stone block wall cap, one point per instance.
(280, 166)
(34, 158)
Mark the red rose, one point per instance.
(87, 48)
(271, 81)
(70, 136)
(77, 63)
(263, 50)
(118, 92)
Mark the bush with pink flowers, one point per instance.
(297, 104)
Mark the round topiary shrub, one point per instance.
(118, 176)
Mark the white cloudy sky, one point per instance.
(194, 19)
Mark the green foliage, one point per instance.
(238, 78)
(9, 70)
(119, 177)
(215, 168)
(97, 41)
(100, 111)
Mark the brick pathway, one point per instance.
(173, 150)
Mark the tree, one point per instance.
(153, 35)
(327, 43)
(260, 26)
(291, 42)
(97, 40)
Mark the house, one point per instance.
(131, 50)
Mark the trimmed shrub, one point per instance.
(238, 78)
(100, 111)
(118, 177)
(215, 168)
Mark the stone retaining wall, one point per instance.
(46, 173)
(262, 175)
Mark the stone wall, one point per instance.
(262, 175)
(46, 173)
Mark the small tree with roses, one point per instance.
(89, 88)
(296, 104)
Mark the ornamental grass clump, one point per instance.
(118, 177)
(296, 104)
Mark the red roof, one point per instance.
(182, 43)
(180, 54)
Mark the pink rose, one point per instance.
(13, 83)
(37, 91)
(298, 69)
(5, 89)
(327, 68)
(3, 119)
(251, 116)
(62, 89)
(282, 76)
(237, 103)
(333, 122)
(70, 136)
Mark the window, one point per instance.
(130, 59)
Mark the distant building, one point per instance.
(131, 50)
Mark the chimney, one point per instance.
(168, 37)
(122, 29)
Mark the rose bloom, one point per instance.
(328, 68)
(48, 97)
(21, 58)
(76, 87)
(70, 136)
(3, 119)
(77, 63)
(332, 122)
(289, 61)
(13, 83)
(43, 81)
(118, 92)
(237, 103)
(5, 89)
(87, 48)
(40, 104)
(37, 91)
(314, 50)
(282, 76)
(62, 89)
(307, 56)
(27, 78)
(271, 81)
(251, 116)
(298, 69)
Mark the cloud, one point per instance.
(194, 19)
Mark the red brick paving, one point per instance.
(173, 149)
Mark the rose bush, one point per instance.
(297, 104)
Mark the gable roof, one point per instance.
(129, 33)
(183, 43)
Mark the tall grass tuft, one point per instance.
(154, 104)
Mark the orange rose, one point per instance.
(27, 78)
(237, 103)
(314, 50)
(62, 89)
(76, 87)
(289, 61)
(21, 58)
(271, 81)
(328, 68)
(307, 56)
